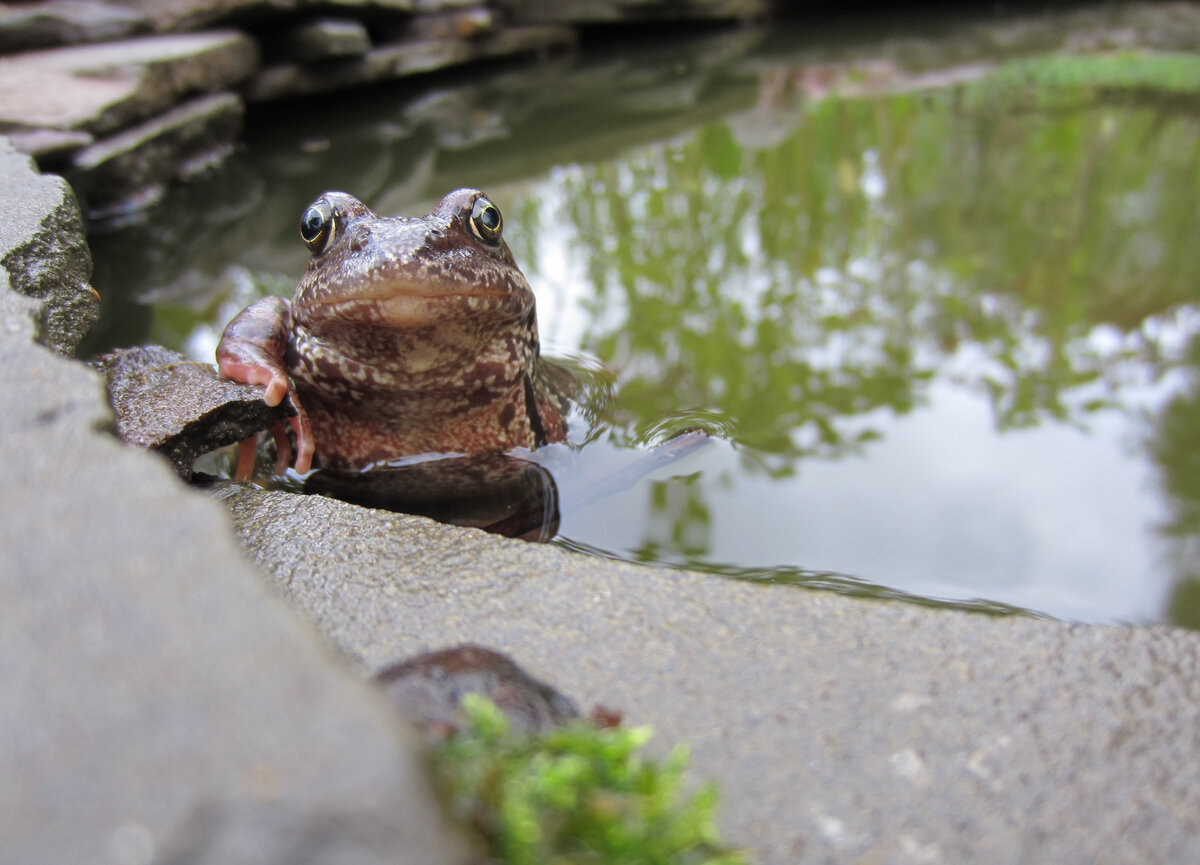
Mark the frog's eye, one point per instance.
(318, 226)
(486, 222)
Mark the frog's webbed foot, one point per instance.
(251, 352)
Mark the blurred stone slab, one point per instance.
(325, 39)
(387, 62)
(177, 15)
(616, 11)
(131, 168)
(101, 88)
(49, 144)
(43, 250)
(29, 26)
(840, 730)
(468, 22)
(178, 407)
(160, 705)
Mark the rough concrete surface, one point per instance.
(43, 250)
(164, 402)
(159, 705)
(840, 730)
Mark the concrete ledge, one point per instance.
(841, 730)
(160, 704)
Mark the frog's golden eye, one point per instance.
(318, 226)
(486, 222)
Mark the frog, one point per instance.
(405, 336)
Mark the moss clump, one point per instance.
(576, 795)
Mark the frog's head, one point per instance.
(409, 272)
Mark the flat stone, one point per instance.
(130, 169)
(839, 729)
(160, 704)
(324, 39)
(29, 26)
(49, 144)
(398, 60)
(470, 22)
(102, 88)
(164, 402)
(176, 15)
(43, 250)
(612, 11)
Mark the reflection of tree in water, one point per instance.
(827, 277)
(1173, 447)
(804, 288)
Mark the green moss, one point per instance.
(1061, 80)
(577, 794)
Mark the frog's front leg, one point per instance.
(251, 351)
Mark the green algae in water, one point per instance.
(576, 794)
(1061, 80)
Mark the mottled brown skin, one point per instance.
(405, 336)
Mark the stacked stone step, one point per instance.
(125, 97)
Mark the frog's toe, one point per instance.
(247, 451)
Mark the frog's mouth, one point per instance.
(406, 305)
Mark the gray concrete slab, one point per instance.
(840, 730)
(160, 705)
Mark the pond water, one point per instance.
(935, 290)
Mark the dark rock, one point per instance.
(129, 170)
(612, 11)
(430, 687)
(178, 407)
(176, 15)
(398, 60)
(159, 703)
(43, 250)
(30, 26)
(102, 88)
(324, 39)
(467, 23)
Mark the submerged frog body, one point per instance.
(405, 336)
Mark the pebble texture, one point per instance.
(159, 704)
(840, 730)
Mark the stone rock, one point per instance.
(611, 11)
(387, 62)
(130, 169)
(30, 26)
(178, 407)
(160, 704)
(102, 88)
(43, 250)
(430, 687)
(839, 729)
(48, 145)
(470, 22)
(176, 15)
(324, 39)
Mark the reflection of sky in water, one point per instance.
(1057, 518)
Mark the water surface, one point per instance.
(935, 290)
